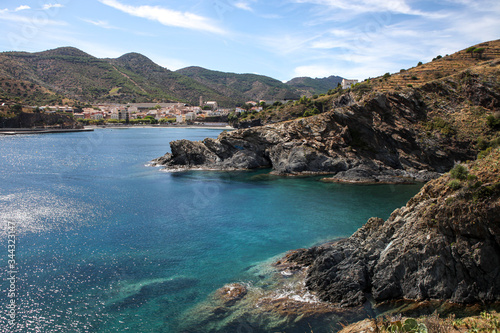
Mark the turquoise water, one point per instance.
(106, 243)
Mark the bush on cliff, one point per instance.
(459, 172)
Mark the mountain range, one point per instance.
(68, 74)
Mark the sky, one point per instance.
(283, 39)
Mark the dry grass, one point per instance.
(485, 322)
(437, 69)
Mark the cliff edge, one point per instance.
(444, 244)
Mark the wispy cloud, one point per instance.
(244, 6)
(167, 17)
(23, 7)
(36, 22)
(50, 5)
(100, 23)
(368, 6)
(106, 25)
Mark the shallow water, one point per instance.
(107, 244)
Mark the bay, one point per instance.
(106, 243)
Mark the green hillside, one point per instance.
(243, 87)
(43, 77)
(69, 75)
(309, 86)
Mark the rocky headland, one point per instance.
(444, 244)
(413, 134)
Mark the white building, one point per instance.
(212, 104)
(190, 116)
(347, 83)
(97, 116)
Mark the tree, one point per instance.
(419, 63)
(471, 51)
(151, 120)
(479, 51)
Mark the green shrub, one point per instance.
(455, 184)
(471, 178)
(493, 122)
(482, 144)
(440, 124)
(459, 172)
(483, 153)
(486, 192)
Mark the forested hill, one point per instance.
(238, 86)
(69, 74)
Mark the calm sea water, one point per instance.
(107, 244)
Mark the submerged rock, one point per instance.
(278, 303)
(231, 293)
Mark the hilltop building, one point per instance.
(347, 83)
(212, 104)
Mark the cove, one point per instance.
(106, 243)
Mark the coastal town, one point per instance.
(179, 113)
(152, 113)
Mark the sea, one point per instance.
(93, 239)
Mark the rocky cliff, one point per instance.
(388, 137)
(444, 244)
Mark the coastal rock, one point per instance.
(444, 244)
(378, 139)
(277, 302)
(231, 293)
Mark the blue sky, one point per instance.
(282, 39)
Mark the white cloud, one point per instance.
(167, 17)
(271, 16)
(50, 5)
(244, 6)
(23, 7)
(100, 23)
(31, 22)
(368, 6)
(329, 44)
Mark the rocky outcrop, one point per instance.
(444, 244)
(379, 139)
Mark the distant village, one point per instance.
(171, 112)
(161, 112)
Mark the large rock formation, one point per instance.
(444, 244)
(379, 138)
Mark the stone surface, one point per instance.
(378, 139)
(444, 244)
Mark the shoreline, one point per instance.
(218, 126)
(19, 131)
